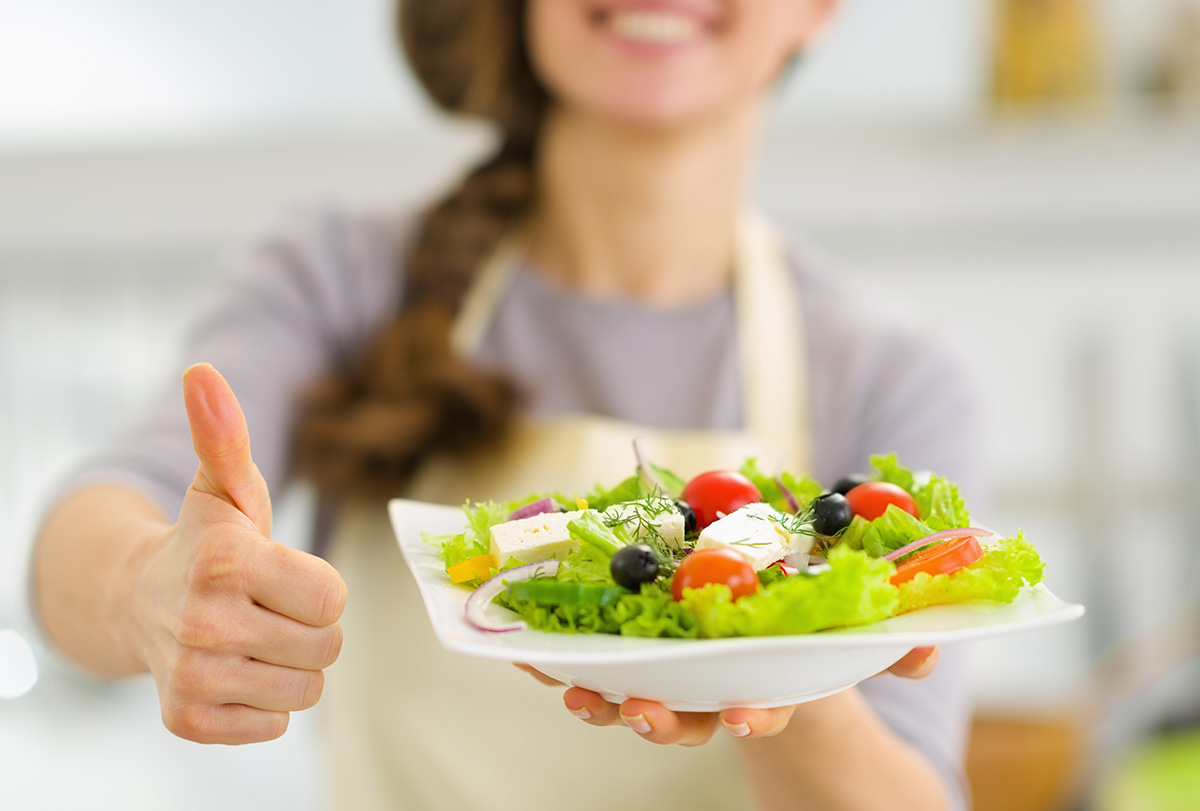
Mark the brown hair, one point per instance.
(367, 429)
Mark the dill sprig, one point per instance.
(796, 524)
(636, 518)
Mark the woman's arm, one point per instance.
(836, 754)
(82, 575)
(234, 628)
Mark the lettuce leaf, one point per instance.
(804, 488)
(630, 489)
(652, 613)
(1005, 567)
(938, 500)
(633, 488)
(888, 532)
(477, 538)
(587, 564)
(853, 591)
(891, 471)
(941, 506)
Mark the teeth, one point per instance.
(654, 26)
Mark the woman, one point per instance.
(596, 278)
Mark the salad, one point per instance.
(731, 553)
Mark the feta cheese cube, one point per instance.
(757, 533)
(652, 517)
(539, 537)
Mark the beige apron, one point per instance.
(414, 727)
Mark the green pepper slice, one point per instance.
(556, 592)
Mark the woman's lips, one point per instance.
(656, 23)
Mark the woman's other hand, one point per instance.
(657, 724)
(235, 629)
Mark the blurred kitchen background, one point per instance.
(1026, 172)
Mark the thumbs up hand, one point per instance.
(235, 629)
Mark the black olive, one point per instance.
(634, 565)
(845, 485)
(831, 514)
(689, 516)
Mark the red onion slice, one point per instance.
(787, 494)
(482, 597)
(938, 537)
(542, 505)
(646, 470)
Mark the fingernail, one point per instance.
(637, 723)
(737, 730)
(194, 365)
(583, 713)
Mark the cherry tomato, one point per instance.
(946, 557)
(715, 566)
(718, 491)
(872, 499)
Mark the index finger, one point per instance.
(295, 584)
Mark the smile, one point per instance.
(657, 23)
(657, 27)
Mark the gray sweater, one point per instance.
(312, 296)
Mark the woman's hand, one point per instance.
(235, 629)
(657, 724)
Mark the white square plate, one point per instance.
(703, 674)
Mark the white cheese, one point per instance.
(755, 532)
(642, 519)
(539, 537)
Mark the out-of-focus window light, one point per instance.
(18, 667)
(65, 67)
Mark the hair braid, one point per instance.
(368, 429)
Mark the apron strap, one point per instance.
(773, 353)
(483, 298)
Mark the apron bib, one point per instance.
(411, 726)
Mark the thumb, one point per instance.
(222, 444)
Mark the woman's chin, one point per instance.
(649, 111)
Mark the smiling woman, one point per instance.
(666, 62)
(596, 277)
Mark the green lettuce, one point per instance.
(941, 506)
(890, 470)
(890, 531)
(853, 591)
(634, 488)
(630, 489)
(587, 564)
(938, 501)
(651, 613)
(1005, 567)
(477, 538)
(804, 488)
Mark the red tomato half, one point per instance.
(872, 499)
(946, 557)
(715, 566)
(718, 491)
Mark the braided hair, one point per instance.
(366, 430)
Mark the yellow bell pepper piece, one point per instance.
(476, 568)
